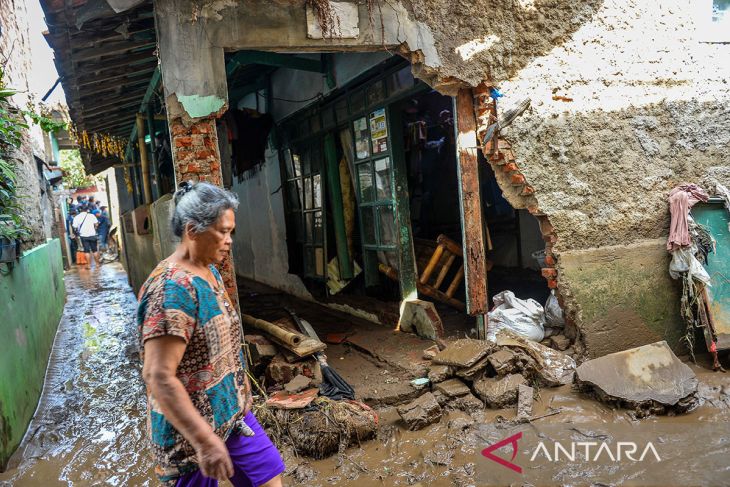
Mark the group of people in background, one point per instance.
(87, 225)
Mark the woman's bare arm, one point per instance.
(162, 355)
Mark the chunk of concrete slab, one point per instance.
(648, 373)
(473, 372)
(503, 361)
(525, 398)
(468, 403)
(298, 383)
(421, 412)
(453, 388)
(420, 317)
(439, 373)
(499, 392)
(552, 368)
(463, 353)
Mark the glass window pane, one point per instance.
(365, 177)
(317, 190)
(386, 222)
(368, 226)
(362, 143)
(357, 102)
(307, 193)
(318, 229)
(376, 92)
(341, 109)
(296, 160)
(309, 227)
(382, 179)
(379, 131)
(400, 81)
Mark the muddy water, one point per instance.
(88, 429)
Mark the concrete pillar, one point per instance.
(196, 158)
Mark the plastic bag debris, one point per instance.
(553, 312)
(524, 317)
(684, 260)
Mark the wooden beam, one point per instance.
(472, 223)
(115, 75)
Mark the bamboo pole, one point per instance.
(146, 187)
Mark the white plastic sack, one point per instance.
(553, 312)
(684, 260)
(524, 317)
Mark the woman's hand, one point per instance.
(214, 459)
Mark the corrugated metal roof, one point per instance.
(106, 60)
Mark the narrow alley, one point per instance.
(89, 426)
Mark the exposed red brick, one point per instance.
(204, 154)
(178, 129)
(552, 284)
(551, 238)
(517, 179)
(509, 167)
(545, 226)
(550, 260)
(549, 273)
(202, 128)
(183, 141)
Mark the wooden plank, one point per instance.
(433, 261)
(110, 49)
(472, 223)
(444, 270)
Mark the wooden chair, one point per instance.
(442, 260)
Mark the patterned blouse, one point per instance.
(173, 301)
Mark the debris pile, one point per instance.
(308, 405)
(469, 374)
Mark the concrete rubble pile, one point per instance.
(471, 374)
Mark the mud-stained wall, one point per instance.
(627, 102)
(33, 295)
(259, 244)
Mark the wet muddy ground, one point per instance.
(89, 427)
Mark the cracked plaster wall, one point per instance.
(627, 102)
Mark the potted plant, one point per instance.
(12, 232)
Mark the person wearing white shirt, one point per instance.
(85, 225)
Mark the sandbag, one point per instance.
(524, 317)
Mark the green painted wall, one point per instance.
(625, 294)
(32, 297)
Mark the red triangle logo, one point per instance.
(512, 440)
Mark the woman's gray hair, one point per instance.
(199, 205)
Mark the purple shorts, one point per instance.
(255, 460)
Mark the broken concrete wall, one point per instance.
(627, 102)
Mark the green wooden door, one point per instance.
(716, 219)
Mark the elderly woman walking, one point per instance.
(200, 426)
